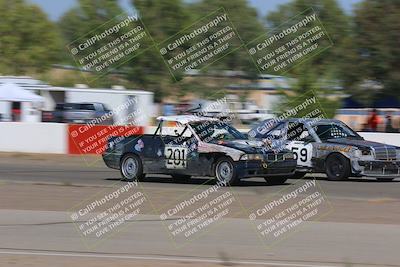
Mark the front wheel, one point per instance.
(225, 172)
(337, 167)
(131, 168)
(277, 180)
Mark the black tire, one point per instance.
(131, 168)
(180, 178)
(337, 167)
(276, 180)
(225, 171)
(385, 179)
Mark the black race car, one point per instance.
(197, 146)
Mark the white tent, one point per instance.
(30, 103)
(14, 93)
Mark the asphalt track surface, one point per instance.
(37, 192)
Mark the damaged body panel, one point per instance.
(331, 147)
(198, 146)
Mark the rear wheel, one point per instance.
(277, 180)
(337, 167)
(225, 172)
(180, 178)
(131, 168)
(385, 179)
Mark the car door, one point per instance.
(153, 153)
(162, 153)
(180, 152)
(300, 143)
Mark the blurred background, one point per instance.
(356, 79)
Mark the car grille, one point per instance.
(275, 157)
(385, 153)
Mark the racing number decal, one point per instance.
(302, 153)
(175, 157)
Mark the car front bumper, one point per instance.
(379, 168)
(248, 169)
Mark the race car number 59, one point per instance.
(175, 157)
(302, 153)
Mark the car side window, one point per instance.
(87, 107)
(69, 106)
(330, 131)
(336, 132)
(298, 132)
(278, 132)
(176, 135)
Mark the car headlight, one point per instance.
(362, 152)
(252, 157)
(366, 152)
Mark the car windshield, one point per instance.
(335, 131)
(214, 130)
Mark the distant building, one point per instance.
(113, 98)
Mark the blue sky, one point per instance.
(55, 8)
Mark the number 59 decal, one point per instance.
(302, 153)
(175, 157)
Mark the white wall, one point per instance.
(5, 110)
(386, 138)
(52, 137)
(146, 109)
(33, 137)
(30, 112)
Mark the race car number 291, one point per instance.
(175, 157)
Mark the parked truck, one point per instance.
(87, 112)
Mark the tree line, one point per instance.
(366, 42)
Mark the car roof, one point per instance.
(185, 119)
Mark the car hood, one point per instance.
(247, 146)
(359, 143)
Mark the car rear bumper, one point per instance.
(380, 168)
(111, 160)
(248, 169)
